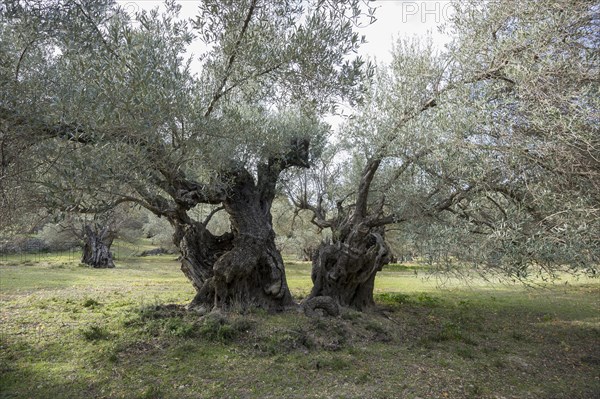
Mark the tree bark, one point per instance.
(200, 250)
(241, 268)
(96, 249)
(345, 269)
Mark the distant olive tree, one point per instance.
(93, 233)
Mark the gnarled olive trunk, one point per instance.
(96, 248)
(243, 267)
(345, 269)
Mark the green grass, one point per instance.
(68, 331)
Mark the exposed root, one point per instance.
(325, 305)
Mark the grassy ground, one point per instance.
(68, 332)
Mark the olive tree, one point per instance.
(487, 152)
(123, 118)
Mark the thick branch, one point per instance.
(384, 221)
(96, 209)
(452, 199)
(211, 214)
(43, 129)
(189, 193)
(364, 188)
(268, 173)
(319, 218)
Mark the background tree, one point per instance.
(533, 70)
(94, 234)
(296, 236)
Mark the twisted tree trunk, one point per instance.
(345, 269)
(96, 249)
(243, 267)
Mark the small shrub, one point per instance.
(90, 303)
(210, 327)
(179, 327)
(216, 328)
(226, 333)
(95, 333)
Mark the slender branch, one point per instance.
(247, 78)
(339, 204)
(18, 67)
(319, 218)
(101, 36)
(220, 90)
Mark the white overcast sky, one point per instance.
(395, 18)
